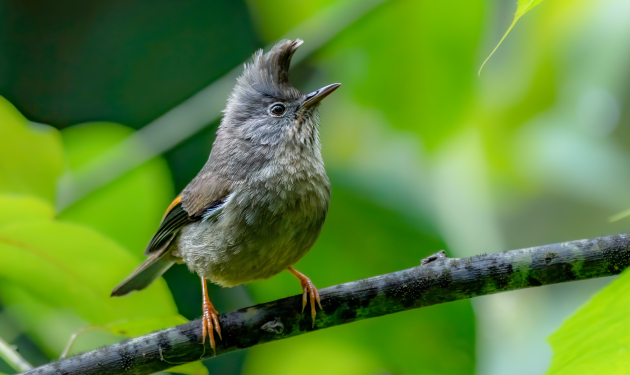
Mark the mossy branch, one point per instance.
(437, 279)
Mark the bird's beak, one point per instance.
(317, 95)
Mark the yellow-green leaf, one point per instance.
(31, 156)
(522, 7)
(595, 339)
(16, 208)
(192, 368)
(70, 271)
(81, 267)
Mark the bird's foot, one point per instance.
(210, 322)
(308, 289)
(210, 319)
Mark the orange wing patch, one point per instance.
(170, 207)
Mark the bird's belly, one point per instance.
(236, 248)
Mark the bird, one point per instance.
(258, 204)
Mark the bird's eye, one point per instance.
(277, 109)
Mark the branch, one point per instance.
(437, 280)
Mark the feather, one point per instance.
(148, 271)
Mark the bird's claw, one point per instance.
(210, 319)
(308, 289)
(210, 322)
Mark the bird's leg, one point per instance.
(210, 318)
(308, 289)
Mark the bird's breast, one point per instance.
(269, 222)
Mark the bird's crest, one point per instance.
(268, 73)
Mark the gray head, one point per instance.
(268, 136)
(264, 109)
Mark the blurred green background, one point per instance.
(423, 154)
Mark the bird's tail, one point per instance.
(142, 277)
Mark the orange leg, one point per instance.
(308, 288)
(210, 318)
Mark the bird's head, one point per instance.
(265, 109)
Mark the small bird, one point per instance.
(259, 203)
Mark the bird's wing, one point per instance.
(175, 218)
(208, 188)
(204, 196)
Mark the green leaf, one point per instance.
(522, 7)
(595, 339)
(128, 209)
(31, 157)
(65, 273)
(81, 267)
(15, 209)
(192, 368)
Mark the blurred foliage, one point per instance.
(422, 153)
(81, 280)
(16, 209)
(125, 70)
(131, 206)
(414, 70)
(71, 268)
(595, 339)
(30, 159)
